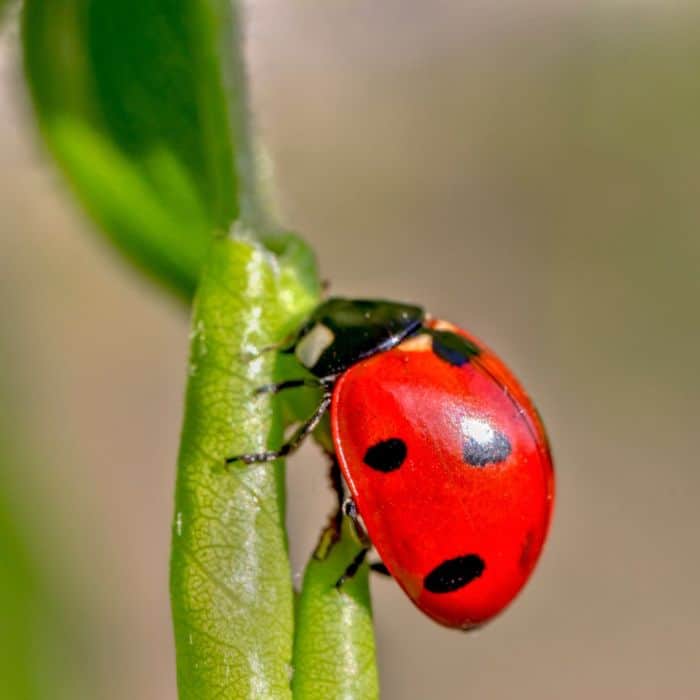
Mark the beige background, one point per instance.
(530, 170)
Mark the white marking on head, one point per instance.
(440, 325)
(310, 348)
(418, 343)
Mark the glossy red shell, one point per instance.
(436, 507)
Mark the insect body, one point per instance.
(444, 454)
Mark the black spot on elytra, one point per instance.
(453, 348)
(454, 574)
(478, 453)
(387, 455)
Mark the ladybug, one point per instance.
(444, 454)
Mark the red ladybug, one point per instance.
(443, 452)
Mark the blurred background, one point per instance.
(529, 170)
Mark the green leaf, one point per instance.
(132, 101)
(230, 577)
(334, 650)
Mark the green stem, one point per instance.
(334, 650)
(254, 209)
(230, 578)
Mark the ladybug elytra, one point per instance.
(444, 454)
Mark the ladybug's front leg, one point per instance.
(312, 382)
(293, 443)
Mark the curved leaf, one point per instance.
(130, 97)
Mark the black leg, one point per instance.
(336, 482)
(292, 444)
(379, 568)
(354, 565)
(289, 384)
(350, 511)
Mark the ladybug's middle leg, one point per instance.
(304, 430)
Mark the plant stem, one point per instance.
(230, 578)
(334, 650)
(255, 210)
